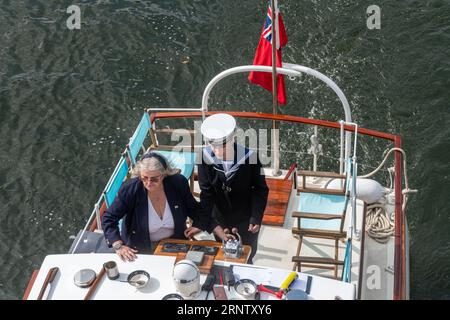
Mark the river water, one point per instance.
(70, 99)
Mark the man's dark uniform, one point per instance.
(235, 197)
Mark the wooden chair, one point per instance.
(320, 214)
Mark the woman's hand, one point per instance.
(191, 232)
(126, 253)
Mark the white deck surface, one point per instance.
(160, 269)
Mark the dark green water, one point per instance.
(69, 101)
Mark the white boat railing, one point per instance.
(351, 171)
(292, 70)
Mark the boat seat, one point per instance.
(184, 161)
(320, 213)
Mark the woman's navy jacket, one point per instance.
(131, 204)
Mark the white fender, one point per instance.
(367, 190)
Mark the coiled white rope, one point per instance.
(379, 226)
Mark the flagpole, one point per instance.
(276, 138)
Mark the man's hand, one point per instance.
(223, 234)
(253, 228)
(191, 232)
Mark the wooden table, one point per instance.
(208, 260)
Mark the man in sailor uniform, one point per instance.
(233, 186)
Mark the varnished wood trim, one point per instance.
(166, 130)
(48, 279)
(320, 260)
(319, 233)
(163, 147)
(323, 174)
(400, 246)
(321, 216)
(317, 266)
(270, 116)
(30, 284)
(290, 171)
(319, 190)
(220, 253)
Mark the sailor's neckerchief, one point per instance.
(239, 151)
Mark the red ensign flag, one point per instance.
(263, 54)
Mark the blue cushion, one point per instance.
(330, 225)
(181, 160)
(323, 204)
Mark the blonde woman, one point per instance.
(154, 205)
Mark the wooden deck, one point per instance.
(279, 193)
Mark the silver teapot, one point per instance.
(233, 248)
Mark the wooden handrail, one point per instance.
(320, 216)
(166, 130)
(400, 236)
(163, 147)
(321, 191)
(291, 169)
(48, 280)
(30, 285)
(320, 174)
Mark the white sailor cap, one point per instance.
(219, 128)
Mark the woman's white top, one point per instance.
(160, 228)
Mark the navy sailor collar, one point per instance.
(241, 154)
